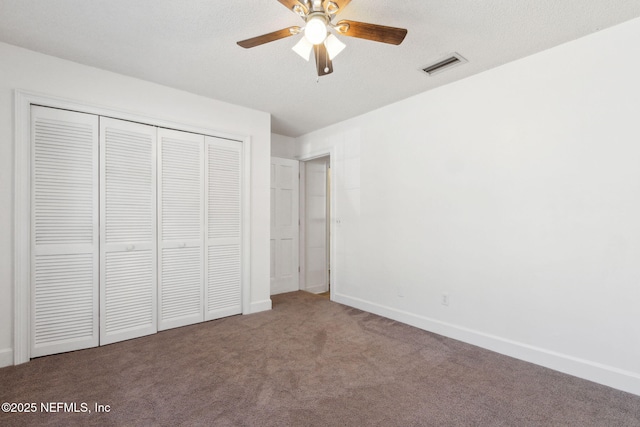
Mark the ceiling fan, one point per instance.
(318, 15)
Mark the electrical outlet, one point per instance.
(444, 299)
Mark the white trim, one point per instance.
(302, 229)
(6, 357)
(116, 113)
(246, 228)
(22, 230)
(332, 153)
(258, 306)
(581, 368)
(22, 235)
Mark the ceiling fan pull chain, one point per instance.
(326, 62)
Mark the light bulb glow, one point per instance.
(316, 30)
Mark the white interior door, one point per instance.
(223, 227)
(128, 252)
(64, 231)
(316, 260)
(181, 228)
(284, 225)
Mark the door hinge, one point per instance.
(298, 269)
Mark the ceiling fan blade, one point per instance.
(266, 38)
(377, 33)
(323, 63)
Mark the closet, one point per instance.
(134, 229)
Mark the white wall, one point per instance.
(517, 193)
(282, 146)
(23, 69)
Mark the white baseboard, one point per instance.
(6, 357)
(258, 306)
(581, 368)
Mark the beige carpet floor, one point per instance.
(307, 362)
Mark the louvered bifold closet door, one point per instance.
(223, 272)
(64, 231)
(128, 265)
(181, 228)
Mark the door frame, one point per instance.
(334, 280)
(23, 101)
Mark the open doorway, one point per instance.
(315, 225)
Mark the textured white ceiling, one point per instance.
(191, 45)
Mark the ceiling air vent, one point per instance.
(449, 61)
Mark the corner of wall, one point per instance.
(282, 146)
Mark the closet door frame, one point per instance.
(23, 100)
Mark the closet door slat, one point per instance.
(181, 228)
(128, 267)
(223, 275)
(64, 231)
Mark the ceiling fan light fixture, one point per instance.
(316, 30)
(320, 33)
(334, 46)
(303, 48)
